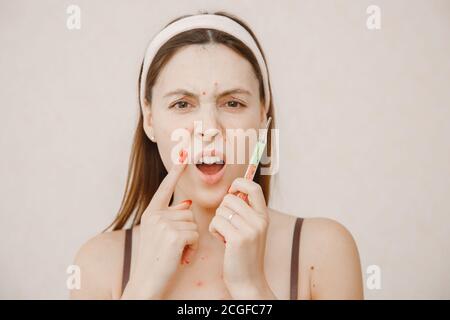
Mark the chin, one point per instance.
(209, 196)
(204, 194)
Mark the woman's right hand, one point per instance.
(168, 235)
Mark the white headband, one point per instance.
(207, 21)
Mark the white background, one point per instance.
(363, 117)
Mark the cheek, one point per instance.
(165, 142)
(241, 120)
(235, 171)
(164, 149)
(167, 124)
(240, 145)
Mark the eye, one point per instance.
(234, 104)
(181, 105)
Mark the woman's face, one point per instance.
(211, 93)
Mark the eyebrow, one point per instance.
(191, 94)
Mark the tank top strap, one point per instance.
(127, 257)
(295, 258)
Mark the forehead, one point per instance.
(201, 67)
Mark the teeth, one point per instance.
(211, 160)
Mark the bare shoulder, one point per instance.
(333, 260)
(329, 260)
(100, 262)
(280, 219)
(327, 233)
(318, 232)
(319, 235)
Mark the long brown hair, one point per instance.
(146, 169)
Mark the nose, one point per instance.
(207, 127)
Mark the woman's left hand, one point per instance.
(244, 226)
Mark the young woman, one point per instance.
(192, 236)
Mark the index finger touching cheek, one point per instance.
(162, 196)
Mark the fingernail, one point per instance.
(182, 156)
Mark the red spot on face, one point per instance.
(199, 283)
(202, 257)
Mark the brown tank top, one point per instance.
(294, 258)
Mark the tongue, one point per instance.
(209, 168)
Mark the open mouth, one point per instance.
(211, 168)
